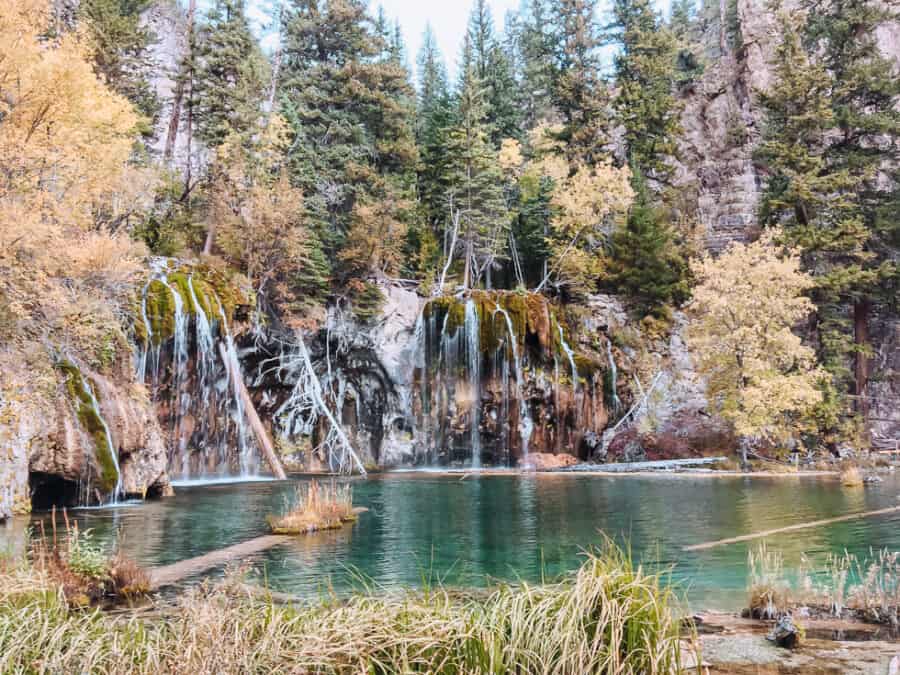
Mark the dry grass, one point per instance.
(867, 588)
(82, 571)
(314, 508)
(609, 617)
(769, 594)
(851, 476)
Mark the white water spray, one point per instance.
(526, 426)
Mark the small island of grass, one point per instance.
(315, 507)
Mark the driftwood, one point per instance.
(315, 391)
(262, 436)
(629, 467)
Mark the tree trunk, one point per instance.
(723, 27)
(262, 436)
(190, 102)
(861, 312)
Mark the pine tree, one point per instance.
(231, 74)
(537, 45)
(645, 76)
(645, 263)
(475, 197)
(828, 133)
(435, 117)
(120, 44)
(350, 107)
(685, 27)
(580, 94)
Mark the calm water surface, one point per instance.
(468, 531)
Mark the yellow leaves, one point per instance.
(510, 156)
(376, 237)
(588, 197)
(745, 305)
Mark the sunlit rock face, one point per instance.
(497, 376)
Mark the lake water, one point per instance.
(470, 530)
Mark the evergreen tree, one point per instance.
(350, 107)
(120, 43)
(645, 263)
(685, 27)
(831, 128)
(645, 75)
(579, 93)
(231, 74)
(537, 44)
(476, 204)
(435, 117)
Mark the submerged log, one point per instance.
(262, 436)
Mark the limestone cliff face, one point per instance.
(722, 127)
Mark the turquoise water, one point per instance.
(428, 528)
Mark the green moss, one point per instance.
(92, 423)
(160, 306)
(178, 281)
(588, 366)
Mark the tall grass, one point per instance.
(866, 586)
(608, 617)
(314, 507)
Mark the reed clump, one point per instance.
(851, 476)
(315, 507)
(79, 568)
(866, 588)
(608, 617)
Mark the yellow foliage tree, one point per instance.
(257, 215)
(760, 376)
(586, 199)
(65, 185)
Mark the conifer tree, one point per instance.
(645, 263)
(579, 92)
(537, 44)
(685, 27)
(435, 117)
(350, 107)
(231, 74)
(645, 76)
(120, 43)
(830, 129)
(475, 198)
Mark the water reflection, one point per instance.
(467, 529)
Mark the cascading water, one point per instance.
(613, 377)
(205, 412)
(114, 455)
(473, 350)
(570, 354)
(526, 425)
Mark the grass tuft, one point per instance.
(315, 508)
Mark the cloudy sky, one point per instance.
(448, 19)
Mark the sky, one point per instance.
(448, 19)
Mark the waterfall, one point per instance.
(206, 412)
(571, 354)
(526, 426)
(473, 349)
(249, 464)
(114, 454)
(613, 377)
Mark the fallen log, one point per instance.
(170, 574)
(262, 436)
(629, 467)
(791, 528)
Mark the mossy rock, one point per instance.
(92, 423)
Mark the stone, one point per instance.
(544, 461)
(785, 634)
